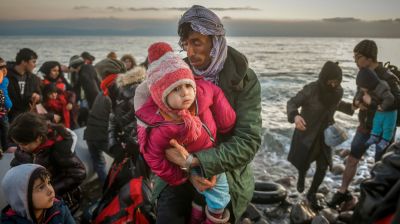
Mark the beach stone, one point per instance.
(350, 205)
(252, 213)
(246, 221)
(286, 181)
(262, 221)
(338, 169)
(324, 189)
(301, 213)
(320, 196)
(346, 216)
(330, 214)
(344, 153)
(319, 219)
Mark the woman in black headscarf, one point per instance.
(318, 101)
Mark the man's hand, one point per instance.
(300, 123)
(35, 98)
(201, 183)
(177, 154)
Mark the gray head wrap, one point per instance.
(206, 22)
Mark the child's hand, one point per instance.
(69, 106)
(380, 108)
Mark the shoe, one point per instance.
(197, 216)
(314, 202)
(300, 184)
(212, 218)
(373, 139)
(338, 198)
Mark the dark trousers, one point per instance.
(4, 125)
(174, 204)
(96, 149)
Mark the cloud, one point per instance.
(115, 9)
(180, 9)
(81, 7)
(341, 19)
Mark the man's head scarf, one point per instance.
(206, 22)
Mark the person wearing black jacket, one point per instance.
(96, 132)
(24, 86)
(86, 79)
(365, 56)
(122, 125)
(380, 194)
(319, 100)
(49, 145)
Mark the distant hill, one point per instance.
(330, 27)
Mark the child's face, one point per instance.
(53, 95)
(54, 72)
(42, 194)
(182, 97)
(3, 71)
(30, 147)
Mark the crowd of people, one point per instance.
(195, 123)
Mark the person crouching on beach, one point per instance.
(31, 197)
(318, 101)
(191, 111)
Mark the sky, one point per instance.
(235, 9)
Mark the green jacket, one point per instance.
(235, 152)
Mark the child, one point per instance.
(5, 105)
(57, 103)
(31, 197)
(384, 122)
(190, 111)
(49, 145)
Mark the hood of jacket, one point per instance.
(16, 183)
(135, 75)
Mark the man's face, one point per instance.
(198, 48)
(362, 61)
(29, 65)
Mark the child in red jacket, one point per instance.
(190, 110)
(57, 103)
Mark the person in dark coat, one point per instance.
(318, 101)
(96, 133)
(49, 145)
(85, 77)
(122, 125)
(379, 202)
(24, 87)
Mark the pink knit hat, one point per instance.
(166, 72)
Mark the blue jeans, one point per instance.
(218, 197)
(384, 124)
(96, 149)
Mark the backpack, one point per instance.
(393, 69)
(131, 205)
(126, 194)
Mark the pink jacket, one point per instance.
(154, 132)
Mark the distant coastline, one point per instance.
(331, 27)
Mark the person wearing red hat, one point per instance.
(190, 111)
